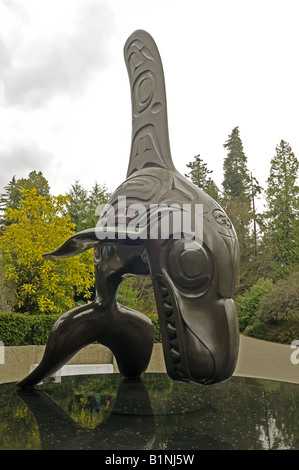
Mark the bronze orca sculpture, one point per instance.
(193, 276)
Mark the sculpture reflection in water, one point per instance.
(109, 412)
(125, 428)
(193, 276)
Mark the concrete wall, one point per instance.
(16, 360)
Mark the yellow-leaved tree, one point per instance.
(40, 226)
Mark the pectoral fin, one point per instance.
(90, 238)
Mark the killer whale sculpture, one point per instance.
(193, 279)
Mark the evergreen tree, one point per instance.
(11, 198)
(236, 182)
(77, 207)
(82, 205)
(37, 181)
(199, 175)
(98, 195)
(281, 217)
(240, 191)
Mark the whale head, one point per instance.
(194, 276)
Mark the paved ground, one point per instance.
(263, 359)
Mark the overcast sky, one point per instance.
(64, 91)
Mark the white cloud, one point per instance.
(39, 67)
(227, 63)
(20, 159)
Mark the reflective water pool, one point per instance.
(105, 412)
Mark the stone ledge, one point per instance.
(19, 359)
(79, 369)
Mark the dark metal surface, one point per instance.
(193, 276)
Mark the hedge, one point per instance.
(21, 329)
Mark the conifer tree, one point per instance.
(83, 204)
(77, 206)
(199, 175)
(281, 217)
(98, 195)
(239, 192)
(11, 198)
(236, 182)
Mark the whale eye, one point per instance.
(190, 266)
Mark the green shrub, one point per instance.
(257, 330)
(155, 321)
(282, 303)
(248, 303)
(137, 293)
(283, 332)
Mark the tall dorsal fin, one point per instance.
(150, 141)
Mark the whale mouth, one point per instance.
(173, 351)
(187, 358)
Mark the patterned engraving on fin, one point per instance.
(150, 143)
(146, 148)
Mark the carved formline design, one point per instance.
(150, 142)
